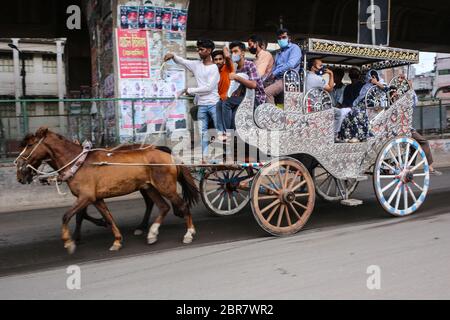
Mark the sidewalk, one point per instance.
(17, 197)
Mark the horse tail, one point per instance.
(188, 186)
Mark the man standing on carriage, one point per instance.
(206, 94)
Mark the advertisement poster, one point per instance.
(158, 18)
(177, 117)
(149, 17)
(129, 17)
(132, 51)
(155, 49)
(166, 18)
(179, 20)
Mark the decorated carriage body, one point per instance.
(300, 138)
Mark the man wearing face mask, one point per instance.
(264, 60)
(288, 58)
(314, 77)
(247, 68)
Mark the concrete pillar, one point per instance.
(17, 83)
(61, 83)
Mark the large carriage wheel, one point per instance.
(220, 192)
(282, 196)
(315, 100)
(401, 177)
(327, 185)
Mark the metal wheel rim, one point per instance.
(217, 198)
(326, 187)
(401, 160)
(274, 214)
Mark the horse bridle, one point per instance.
(31, 153)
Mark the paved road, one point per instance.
(232, 258)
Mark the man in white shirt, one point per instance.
(207, 94)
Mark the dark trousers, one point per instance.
(424, 144)
(228, 110)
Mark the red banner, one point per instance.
(132, 50)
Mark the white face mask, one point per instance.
(236, 57)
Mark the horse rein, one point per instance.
(25, 149)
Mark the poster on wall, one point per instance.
(132, 52)
(129, 17)
(158, 18)
(177, 116)
(179, 20)
(166, 18)
(149, 17)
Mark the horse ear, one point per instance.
(41, 132)
(26, 140)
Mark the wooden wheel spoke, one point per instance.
(396, 190)
(300, 205)
(301, 195)
(212, 191)
(301, 184)
(293, 180)
(270, 206)
(269, 188)
(390, 185)
(288, 217)
(295, 211)
(272, 213)
(280, 215)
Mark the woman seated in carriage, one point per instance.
(355, 127)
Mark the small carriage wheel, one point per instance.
(317, 99)
(221, 193)
(327, 185)
(401, 177)
(282, 196)
(376, 98)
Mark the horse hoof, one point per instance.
(115, 247)
(138, 232)
(70, 247)
(188, 240)
(152, 240)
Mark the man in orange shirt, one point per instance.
(264, 60)
(223, 61)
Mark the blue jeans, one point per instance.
(228, 112)
(204, 114)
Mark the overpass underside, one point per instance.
(415, 24)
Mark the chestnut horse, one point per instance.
(26, 176)
(146, 169)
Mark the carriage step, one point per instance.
(351, 202)
(362, 178)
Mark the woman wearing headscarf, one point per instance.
(355, 128)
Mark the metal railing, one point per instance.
(432, 118)
(97, 120)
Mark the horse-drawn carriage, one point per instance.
(298, 141)
(306, 160)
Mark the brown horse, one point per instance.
(148, 169)
(27, 175)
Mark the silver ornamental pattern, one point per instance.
(278, 132)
